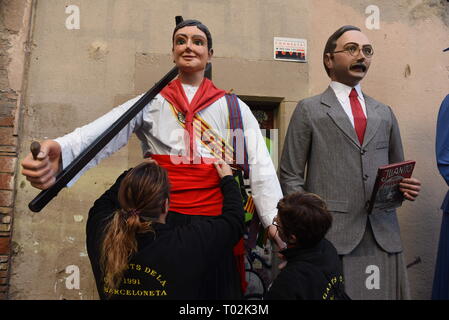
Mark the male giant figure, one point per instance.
(334, 144)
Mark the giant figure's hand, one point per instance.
(273, 234)
(41, 173)
(410, 188)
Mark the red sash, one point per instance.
(195, 188)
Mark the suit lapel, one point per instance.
(340, 118)
(338, 115)
(373, 119)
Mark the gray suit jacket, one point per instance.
(323, 155)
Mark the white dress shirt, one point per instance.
(342, 92)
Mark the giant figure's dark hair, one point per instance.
(199, 25)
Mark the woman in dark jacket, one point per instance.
(314, 270)
(136, 255)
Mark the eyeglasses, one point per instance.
(354, 50)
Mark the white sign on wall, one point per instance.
(290, 49)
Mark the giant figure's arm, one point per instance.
(75, 142)
(265, 187)
(295, 153)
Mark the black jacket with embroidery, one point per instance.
(310, 274)
(169, 263)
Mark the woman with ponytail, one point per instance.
(135, 255)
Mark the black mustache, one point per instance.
(358, 65)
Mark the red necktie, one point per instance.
(359, 116)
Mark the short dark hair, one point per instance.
(331, 43)
(305, 216)
(199, 25)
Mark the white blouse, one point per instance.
(160, 132)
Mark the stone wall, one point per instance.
(14, 32)
(123, 47)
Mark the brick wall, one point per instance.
(14, 26)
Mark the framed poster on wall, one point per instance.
(290, 49)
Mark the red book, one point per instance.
(386, 193)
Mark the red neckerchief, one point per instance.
(206, 94)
